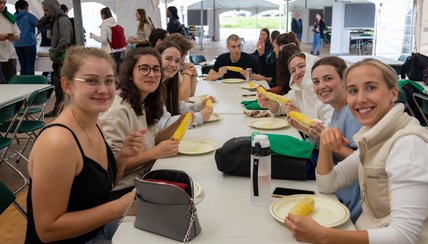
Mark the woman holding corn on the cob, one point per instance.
(137, 105)
(391, 165)
(301, 96)
(174, 107)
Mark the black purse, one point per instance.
(165, 205)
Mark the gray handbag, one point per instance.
(165, 205)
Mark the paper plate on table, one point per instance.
(214, 117)
(198, 98)
(196, 146)
(250, 98)
(233, 80)
(249, 87)
(327, 212)
(197, 192)
(268, 123)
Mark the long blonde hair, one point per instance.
(144, 20)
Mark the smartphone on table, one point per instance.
(281, 191)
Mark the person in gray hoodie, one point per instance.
(61, 38)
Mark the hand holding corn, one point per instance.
(302, 119)
(272, 96)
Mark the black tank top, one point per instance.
(91, 187)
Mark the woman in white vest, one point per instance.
(390, 164)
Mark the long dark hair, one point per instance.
(283, 74)
(174, 11)
(170, 94)
(157, 34)
(153, 104)
(286, 38)
(267, 41)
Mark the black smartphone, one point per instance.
(281, 191)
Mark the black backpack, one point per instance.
(182, 29)
(414, 67)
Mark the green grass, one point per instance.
(252, 22)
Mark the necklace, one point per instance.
(97, 150)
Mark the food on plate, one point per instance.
(182, 128)
(304, 207)
(302, 119)
(209, 103)
(258, 113)
(272, 96)
(234, 68)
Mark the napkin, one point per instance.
(252, 105)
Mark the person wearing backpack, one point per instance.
(61, 38)
(174, 24)
(112, 37)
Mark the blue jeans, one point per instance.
(299, 36)
(316, 43)
(27, 58)
(106, 233)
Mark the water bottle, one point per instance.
(260, 171)
(248, 73)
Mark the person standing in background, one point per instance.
(9, 33)
(61, 37)
(319, 27)
(106, 36)
(296, 26)
(26, 46)
(172, 14)
(145, 27)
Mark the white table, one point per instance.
(12, 92)
(355, 58)
(359, 41)
(225, 212)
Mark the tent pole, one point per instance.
(286, 17)
(78, 22)
(201, 33)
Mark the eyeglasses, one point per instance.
(109, 82)
(145, 69)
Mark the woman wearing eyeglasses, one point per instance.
(174, 107)
(138, 104)
(72, 169)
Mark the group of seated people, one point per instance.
(113, 128)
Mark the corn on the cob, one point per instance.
(304, 207)
(261, 90)
(301, 119)
(182, 128)
(251, 84)
(234, 68)
(272, 96)
(209, 103)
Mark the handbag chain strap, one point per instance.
(192, 220)
(127, 209)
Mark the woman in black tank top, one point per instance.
(72, 169)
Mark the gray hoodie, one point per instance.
(62, 30)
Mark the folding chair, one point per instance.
(421, 102)
(9, 114)
(27, 125)
(38, 105)
(197, 59)
(8, 198)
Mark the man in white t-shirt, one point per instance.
(9, 33)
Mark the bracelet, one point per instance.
(187, 74)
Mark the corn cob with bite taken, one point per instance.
(302, 119)
(272, 96)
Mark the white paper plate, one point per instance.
(198, 98)
(327, 212)
(268, 123)
(196, 146)
(250, 98)
(233, 80)
(197, 192)
(247, 86)
(214, 117)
